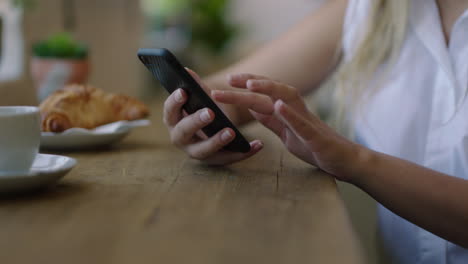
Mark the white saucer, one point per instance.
(80, 141)
(46, 169)
(79, 138)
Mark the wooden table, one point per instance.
(143, 201)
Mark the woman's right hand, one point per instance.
(185, 132)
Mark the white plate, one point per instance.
(79, 138)
(46, 169)
(80, 141)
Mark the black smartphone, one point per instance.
(172, 75)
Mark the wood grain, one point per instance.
(143, 201)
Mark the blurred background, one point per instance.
(205, 34)
(46, 43)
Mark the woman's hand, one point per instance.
(185, 131)
(281, 108)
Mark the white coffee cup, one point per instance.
(19, 138)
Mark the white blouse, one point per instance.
(420, 114)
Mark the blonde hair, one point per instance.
(379, 47)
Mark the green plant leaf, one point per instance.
(61, 45)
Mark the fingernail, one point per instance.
(205, 116)
(258, 146)
(255, 83)
(178, 96)
(216, 92)
(226, 135)
(279, 103)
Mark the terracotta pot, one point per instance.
(51, 74)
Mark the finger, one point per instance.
(206, 148)
(301, 127)
(224, 158)
(197, 78)
(257, 102)
(211, 151)
(274, 89)
(173, 107)
(269, 121)
(200, 134)
(184, 132)
(240, 80)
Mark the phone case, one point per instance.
(172, 75)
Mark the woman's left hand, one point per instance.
(281, 108)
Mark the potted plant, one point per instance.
(56, 61)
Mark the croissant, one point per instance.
(87, 107)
